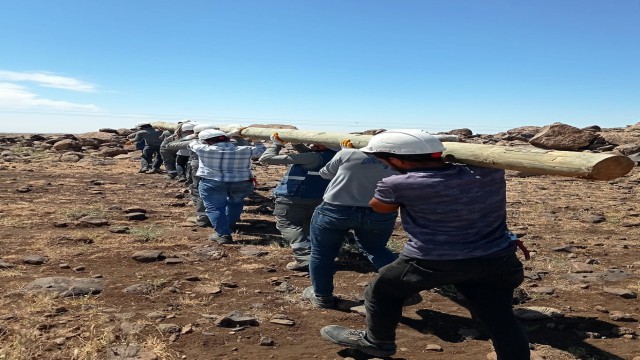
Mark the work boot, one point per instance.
(323, 302)
(203, 222)
(142, 170)
(170, 176)
(357, 339)
(181, 179)
(154, 171)
(221, 239)
(298, 266)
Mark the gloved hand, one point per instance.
(346, 144)
(276, 139)
(236, 132)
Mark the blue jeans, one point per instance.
(330, 224)
(223, 202)
(487, 285)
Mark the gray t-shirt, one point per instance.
(458, 212)
(354, 176)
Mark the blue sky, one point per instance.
(338, 65)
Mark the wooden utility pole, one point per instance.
(531, 160)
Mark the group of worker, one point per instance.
(454, 216)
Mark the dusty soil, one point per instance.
(564, 221)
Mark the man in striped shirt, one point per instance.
(225, 178)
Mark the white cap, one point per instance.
(404, 142)
(210, 133)
(201, 127)
(188, 126)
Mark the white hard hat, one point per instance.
(404, 142)
(210, 133)
(188, 126)
(201, 127)
(143, 124)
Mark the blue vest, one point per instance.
(303, 183)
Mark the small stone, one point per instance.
(35, 259)
(6, 265)
(79, 268)
(93, 221)
(543, 290)
(620, 316)
(137, 216)
(537, 313)
(580, 268)
(623, 293)
(265, 341)
(433, 347)
(148, 256)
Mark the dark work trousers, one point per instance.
(181, 165)
(147, 160)
(293, 220)
(169, 158)
(487, 285)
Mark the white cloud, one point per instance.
(47, 80)
(17, 96)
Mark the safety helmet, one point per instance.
(188, 126)
(404, 142)
(210, 133)
(142, 124)
(198, 128)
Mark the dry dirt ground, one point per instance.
(584, 235)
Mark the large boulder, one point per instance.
(99, 136)
(111, 151)
(560, 136)
(67, 145)
(523, 133)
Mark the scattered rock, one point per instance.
(265, 341)
(434, 347)
(148, 256)
(141, 289)
(282, 319)
(620, 316)
(119, 229)
(580, 268)
(6, 265)
(136, 216)
(253, 251)
(235, 319)
(537, 313)
(35, 259)
(93, 221)
(65, 287)
(623, 293)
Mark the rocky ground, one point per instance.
(100, 262)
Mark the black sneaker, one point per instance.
(154, 171)
(356, 339)
(221, 239)
(323, 302)
(141, 171)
